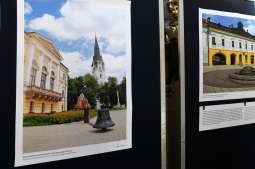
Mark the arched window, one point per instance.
(52, 79)
(31, 107)
(43, 77)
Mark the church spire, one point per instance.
(97, 50)
(98, 70)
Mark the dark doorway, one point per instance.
(252, 59)
(240, 59)
(233, 59)
(219, 59)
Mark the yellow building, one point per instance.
(45, 77)
(227, 45)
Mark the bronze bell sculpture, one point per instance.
(82, 103)
(104, 120)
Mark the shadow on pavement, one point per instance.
(101, 131)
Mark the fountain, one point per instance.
(245, 75)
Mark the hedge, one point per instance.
(42, 119)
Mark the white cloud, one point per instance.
(76, 63)
(114, 66)
(83, 19)
(27, 8)
(250, 27)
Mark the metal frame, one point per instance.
(182, 83)
(162, 85)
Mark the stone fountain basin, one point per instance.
(244, 79)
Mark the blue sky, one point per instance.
(73, 24)
(226, 21)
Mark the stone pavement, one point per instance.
(216, 80)
(43, 138)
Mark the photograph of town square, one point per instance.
(228, 49)
(75, 73)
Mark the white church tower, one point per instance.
(98, 70)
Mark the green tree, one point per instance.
(103, 95)
(90, 82)
(83, 84)
(75, 86)
(90, 89)
(112, 91)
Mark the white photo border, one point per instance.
(226, 95)
(22, 159)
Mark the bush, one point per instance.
(41, 119)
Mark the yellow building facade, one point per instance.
(227, 45)
(232, 57)
(45, 77)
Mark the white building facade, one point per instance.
(227, 45)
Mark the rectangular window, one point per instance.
(240, 45)
(246, 46)
(251, 47)
(233, 44)
(213, 41)
(43, 80)
(32, 77)
(223, 42)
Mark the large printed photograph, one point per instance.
(76, 89)
(227, 55)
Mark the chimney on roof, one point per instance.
(240, 26)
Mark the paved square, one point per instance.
(43, 138)
(217, 76)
